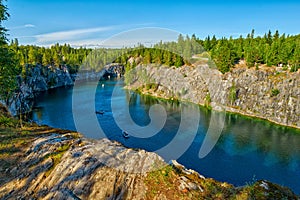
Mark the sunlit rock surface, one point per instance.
(88, 169)
(263, 93)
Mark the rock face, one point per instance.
(40, 78)
(112, 70)
(262, 93)
(87, 170)
(37, 79)
(63, 166)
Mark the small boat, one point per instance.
(102, 85)
(101, 112)
(125, 134)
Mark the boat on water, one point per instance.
(100, 112)
(125, 134)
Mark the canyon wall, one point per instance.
(40, 78)
(265, 92)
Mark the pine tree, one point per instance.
(32, 56)
(8, 70)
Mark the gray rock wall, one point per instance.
(262, 93)
(37, 79)
(40, 78)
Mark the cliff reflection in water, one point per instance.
(247, 147)
(241, 134)
(278, 144)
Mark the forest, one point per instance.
(271, 49)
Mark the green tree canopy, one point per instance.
(8, 67)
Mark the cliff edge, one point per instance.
(40, 162)
(264, 93)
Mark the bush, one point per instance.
(6, 121)
(232, 94)
(294, 68)
(207, 101)
(274, 92)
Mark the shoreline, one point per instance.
(229, 110)
(58, 155)
(243, 91)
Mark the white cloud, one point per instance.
(22, 27)
(29, 26)
(147, 36)
(69, 35)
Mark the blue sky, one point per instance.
(80, 22)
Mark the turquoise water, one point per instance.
(248, 149)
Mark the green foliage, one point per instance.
(7, 122)
(274, 92)
(57, 55)
(271, 50)
(295, 68)
(232, 94)
(151, 86)
(207, 101)
(51, 82)
(256, 66)
(154, 55)
(8, 66)
(158, 180)
(223, 55)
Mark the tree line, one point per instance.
(56, 55)
(271, 49)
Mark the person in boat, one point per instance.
(125, 134)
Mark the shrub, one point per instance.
(232, 94)
(294, 68)
(6, 121)
(274, 92)
(207, 101)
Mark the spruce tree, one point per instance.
(8, 69)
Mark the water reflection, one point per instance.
(247, 147)
(277, 143)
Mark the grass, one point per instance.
(7, 121)
(274, 92)
(162, 182)
(15, 140)
(56, 157)
(165, 182)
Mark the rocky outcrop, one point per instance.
(64, 166)
(87, 170)
(37, 78)
(263, 93)
(41, 78)
(112, 70)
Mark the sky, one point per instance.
(90, 22)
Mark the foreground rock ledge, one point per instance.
(65, 167)
(90, 169)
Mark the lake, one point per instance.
(249, 149)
